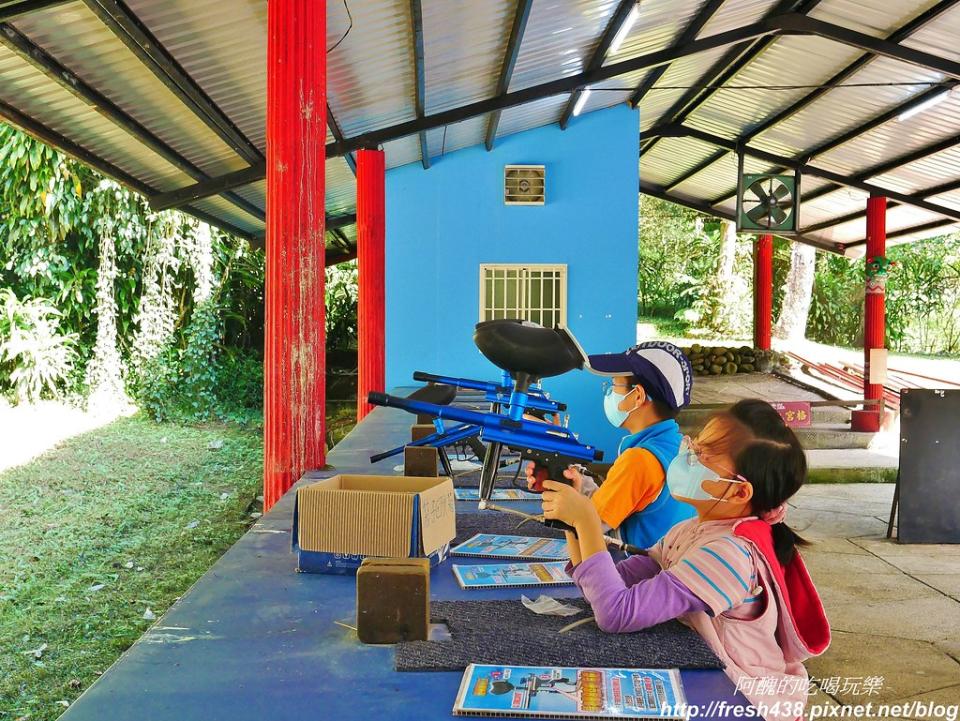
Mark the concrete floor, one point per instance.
(894, 609)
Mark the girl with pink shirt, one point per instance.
(733, 572)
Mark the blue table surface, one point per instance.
(253, 639)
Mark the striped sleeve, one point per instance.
(720, 573)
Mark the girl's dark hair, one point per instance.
(763, 421)
(774, 463)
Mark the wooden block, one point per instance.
(393, 600)
(420, 461)
(421, 430)
(425, 418)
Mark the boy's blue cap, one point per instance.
(661, 367)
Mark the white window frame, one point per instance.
(522, 309)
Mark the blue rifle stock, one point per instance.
(495, 392)
(551, 448)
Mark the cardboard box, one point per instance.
(339, 521)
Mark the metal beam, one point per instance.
(27, 50)
(658, 192)
(206, 188)
(698, 168)
(340, 258)
(19, 8)
(922, 194)
(338, 136)
(922, 228)
(416, 18)
(223, 225)
(510, 59)
(726, 68)
(334, 222)
(688, 34)
(892, 164)
(41, 132)
(901, 33)
(501, 102)
(150, 51)
(859, 130)
(805, 25)
(833, 177)
(600, 52)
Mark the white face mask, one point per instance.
(686, 475)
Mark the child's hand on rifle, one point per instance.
(566, 504)
(571, 473)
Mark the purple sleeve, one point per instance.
(632, 570)
(637, 568)
(619, 608)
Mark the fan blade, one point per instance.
(777, 215)
(757, 189)
(781, 191)
(759, 215)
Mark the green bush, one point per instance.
(341, 305)
(36, 359)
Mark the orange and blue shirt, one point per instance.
(634, 498)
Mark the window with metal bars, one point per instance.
(533, 291)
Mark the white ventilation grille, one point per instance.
(524, 184)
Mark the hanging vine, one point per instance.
(156, 318)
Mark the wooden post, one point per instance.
(762, 291)
(874, 312)
(294, 338)
(371, 371)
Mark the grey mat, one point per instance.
(504, 632)
(470, 524)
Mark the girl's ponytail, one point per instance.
(776, 469)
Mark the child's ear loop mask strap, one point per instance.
(723, 497)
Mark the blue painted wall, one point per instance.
(444, 222)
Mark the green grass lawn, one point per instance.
(101, 528)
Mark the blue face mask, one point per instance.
(611, 401)
(686, 475)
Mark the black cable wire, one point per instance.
(349, 28)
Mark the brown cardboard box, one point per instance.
(339, 521)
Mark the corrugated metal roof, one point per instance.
(37, 96)
(680, 75)
(559, 39)
(844, 108)
(77, 39)
(464, 47)
(371, 85)
(878, 18)
(370, 79)
(788, 61)
(225, 53)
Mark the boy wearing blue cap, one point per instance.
(648, 385)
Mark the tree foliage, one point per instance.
(132, 289)
(681, 273)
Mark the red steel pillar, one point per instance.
(294, 362)
(762, 291)
(371, 373)
(874, 312)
